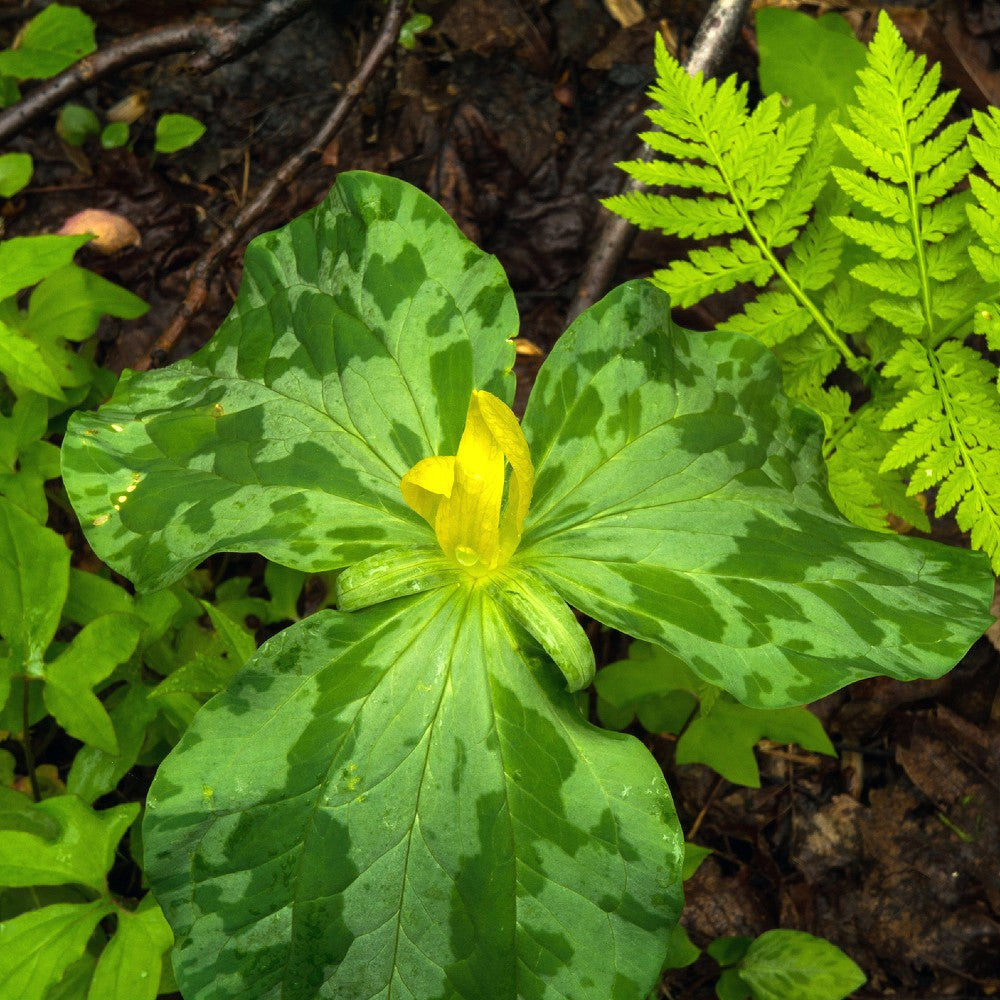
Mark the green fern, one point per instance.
(882, 264)
(759, 178)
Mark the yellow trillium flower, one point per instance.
(461, 496)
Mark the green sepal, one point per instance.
(392, 574)
(540, 610)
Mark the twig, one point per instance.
(212, 44)
(205, 267)
(715, 37)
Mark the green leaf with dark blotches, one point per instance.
(681, 498)
(406, 801)
(355, 342)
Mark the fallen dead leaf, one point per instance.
(626, 12)
(111, 232)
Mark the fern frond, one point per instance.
(939, 180)
(806, 361)
(864, 492)
(771, 318)
(816, 254)
(656, 173)
(780, 220)
(873, 194)
(696, 217)
(984, 217)
(919, 240)
(904, 314)
(898, 277)
(892, 242)
(715, 269)
(949, 415)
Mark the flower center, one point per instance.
(462, 496)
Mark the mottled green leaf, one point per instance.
(681, 498)
(37, 947)
(406, 802)
(79, 851)
(359, 332)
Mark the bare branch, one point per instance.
(212, 44)
(715, 37)
(204, 268)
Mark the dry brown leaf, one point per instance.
(627, 13)
(111, 232)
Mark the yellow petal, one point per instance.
(426, 483)
(462, 497)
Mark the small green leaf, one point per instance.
(37, 947)
(237, 642)
(175, 132)
(724, 737)
(94, 772)
(10, 93)
(808, 60)
(114, 135)
(411, 28)
(88, 660)
(81, 852)
(129, 967)
(34, 577)
(26, 260)
(25, 367)
(76, 124)
(694, 855)
(681, 951)
(15, 172)
(792, 965)
(284, 586)
(729, 950)
(51, 41)
(69, 303)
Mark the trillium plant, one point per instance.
(402, 798)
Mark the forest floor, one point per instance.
(512, 113)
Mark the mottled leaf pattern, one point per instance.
(681, 499)
(404, 802)
(360, 330)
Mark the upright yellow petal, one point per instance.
(461, 497)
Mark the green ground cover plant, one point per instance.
(402, 794)
(874, 249)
